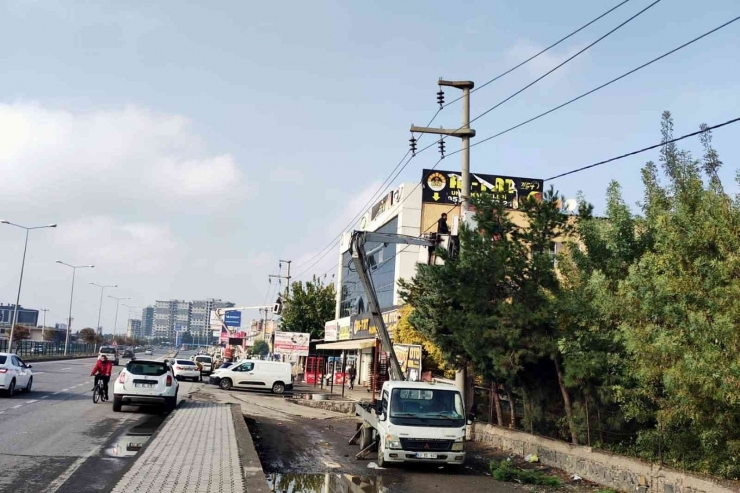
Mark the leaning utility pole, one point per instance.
(286, 277)
(464, 133)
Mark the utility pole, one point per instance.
(286, 277)
(464, 133)
(43, 327)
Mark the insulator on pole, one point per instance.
(412, 142)
(442, 147)
(441, 98)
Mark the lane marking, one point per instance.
(39, 372)
(66, 369)
(64, 390)
(16, 407)
(57, 393)
(31, 402)
(45, 397)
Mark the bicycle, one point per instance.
(99, 392)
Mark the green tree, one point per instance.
(260, 348)
(87, 335)
(309, 307)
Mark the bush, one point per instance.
(505, 471)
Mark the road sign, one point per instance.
(233, 318)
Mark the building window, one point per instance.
(382, 271)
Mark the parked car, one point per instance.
(185, 369)
(111, 352)
(146, 382)
(270, 375)
(14, 374)
(148, 352)
(205, 362)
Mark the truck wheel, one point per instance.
(381, 460)
(366, 436)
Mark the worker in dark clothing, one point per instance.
(442, 227)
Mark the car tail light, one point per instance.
(3, 370)
(122, 377)
(169, 380)
(179, 368)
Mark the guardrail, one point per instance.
(46, 348)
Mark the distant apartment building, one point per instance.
(192, 316)
(133, 329)
(200, 315)
(147, 321)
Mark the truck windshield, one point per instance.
(426, 407)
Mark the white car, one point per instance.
(185, 369)
(14, 374)
(148, 352)
(146, 382)
(206, 363)
(248, 374)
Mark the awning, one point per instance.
(349, 344)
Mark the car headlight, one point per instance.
(458, 445)
(393, 442)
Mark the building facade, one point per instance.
(147, 321)
(200, 316)
(26, 316)
(133, 329)
(168, 315)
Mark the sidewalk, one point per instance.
(195, 451)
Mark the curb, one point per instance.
(255, 480)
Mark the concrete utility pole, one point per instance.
(464, 133)
(286, 277)
(43, 327)
(71, 297)
(102, 287)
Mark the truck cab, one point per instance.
(420, 422)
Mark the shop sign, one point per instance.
(344, 329)
(331, 330)
(383, 205)
(363, 326)
(409, 357)
(444, 187)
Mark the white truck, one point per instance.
(412, 421)
(415, 422)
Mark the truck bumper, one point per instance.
(449, 457)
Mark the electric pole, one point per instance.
(464, 133)
(43, 327)
(286, 277)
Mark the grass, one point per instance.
(607, 490)
(505, 471)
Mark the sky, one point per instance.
(184, 148)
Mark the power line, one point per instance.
(603, 85)
(579, 52)
(583, 168)
(541, 52)
(379, 192)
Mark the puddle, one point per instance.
(133, 439)
(325, 483)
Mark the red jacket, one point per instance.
(104, 369)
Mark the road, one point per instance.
(56, 440)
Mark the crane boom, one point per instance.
(359, 256)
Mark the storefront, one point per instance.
(357, 352)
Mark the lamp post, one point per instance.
(130, 307)
(115, 323)
(71, 297)
(20, 282)
(100, 306)
(43, 327)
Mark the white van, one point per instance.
(249, 374)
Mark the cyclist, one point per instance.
(102, 370)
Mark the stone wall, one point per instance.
(344, 407)
(615, 471)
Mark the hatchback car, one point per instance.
(14, 374)
(184, 369)
(145, 382)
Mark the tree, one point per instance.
(21, 333)
(432, 355)
(260, 348)
(88, 335)
(51, 335)
(308, 308)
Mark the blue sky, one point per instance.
(184, 147)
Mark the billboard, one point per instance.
(409, 357)
(444, 187)
(292, 343)
(331, 330)
(233, 318)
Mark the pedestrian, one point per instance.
(352, 375)
(442, 227)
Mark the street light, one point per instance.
(118, 300)
(71, 296)
(20, 282)
(100, 306)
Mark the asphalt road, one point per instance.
(56, 440)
